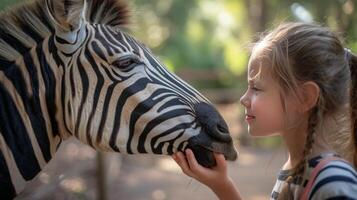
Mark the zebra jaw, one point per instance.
(203, 146)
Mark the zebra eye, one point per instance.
(125, 63)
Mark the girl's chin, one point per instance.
(254, 133)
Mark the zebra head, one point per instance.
(117, 96)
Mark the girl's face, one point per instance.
(264, 110)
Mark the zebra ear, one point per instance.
(66, 14)
(68, 19)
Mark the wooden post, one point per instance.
(101, 178)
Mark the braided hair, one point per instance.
(302, 52)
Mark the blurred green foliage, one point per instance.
(6, 3)
(216, 35)
(195, 33)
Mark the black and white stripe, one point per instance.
(61, 77)
(336, 180)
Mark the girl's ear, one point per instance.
(310, 92)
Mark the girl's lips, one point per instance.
(249, 118)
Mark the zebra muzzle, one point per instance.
(214, 136)
(203, 147)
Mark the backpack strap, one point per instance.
(314, 174)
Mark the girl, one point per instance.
(299, 81)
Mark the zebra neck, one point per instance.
(29, 113)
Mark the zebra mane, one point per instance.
(24, 26)
(109, 12)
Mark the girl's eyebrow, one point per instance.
(253, 81)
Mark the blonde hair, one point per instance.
(300, 52)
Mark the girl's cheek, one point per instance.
(254, 99)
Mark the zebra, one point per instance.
(68, 68)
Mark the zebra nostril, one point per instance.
(222, 132)
(212, 122)
(222, 129)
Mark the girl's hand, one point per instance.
(213, 178)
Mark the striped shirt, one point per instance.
(336, 180)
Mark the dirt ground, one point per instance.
(72, 174)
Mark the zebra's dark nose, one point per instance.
(212, 122)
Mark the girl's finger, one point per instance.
(179, 158)
(220, 160)
(192, 162)
(182, 162)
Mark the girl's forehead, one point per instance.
(258, 68)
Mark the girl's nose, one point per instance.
(244, 100)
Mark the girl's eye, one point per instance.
(256, 89)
